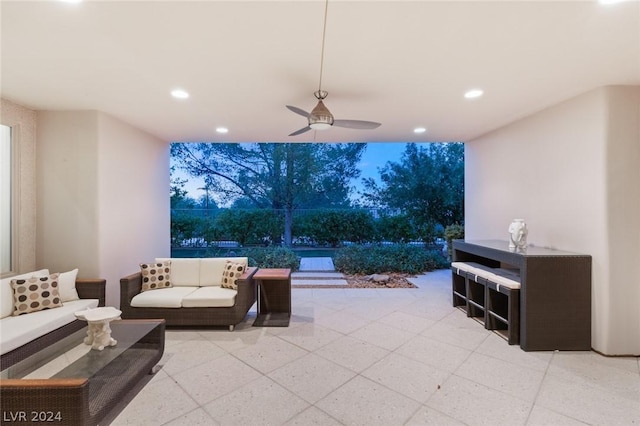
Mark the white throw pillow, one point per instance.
(67, 286)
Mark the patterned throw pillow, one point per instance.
(156, 275)
(232, 271)
(35, 294)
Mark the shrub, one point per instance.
(271, 257)
(397, 229)
(453, 232)
(248, 226)
(396, 258)
(332, 227)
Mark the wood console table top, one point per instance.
(272, 274)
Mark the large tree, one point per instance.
(427, 184)
(280, 176)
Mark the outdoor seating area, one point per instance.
(378, 357)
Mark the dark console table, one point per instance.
(274, 297)
(555, 293)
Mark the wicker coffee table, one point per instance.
(71, 384)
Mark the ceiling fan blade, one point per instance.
(298, 111)
(299, 132)
(356, 124)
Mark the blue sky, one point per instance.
(375, 156)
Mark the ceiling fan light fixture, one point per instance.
(320, 118)
(319, 125)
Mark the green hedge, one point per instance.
(332, 227)
(271, 257)
(376, 259)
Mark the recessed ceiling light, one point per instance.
(70, 1)
(475, 93)
(419, 130)
(611, 1)
(222, 130)
(179, 94)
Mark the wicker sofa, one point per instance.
(195, 296)
(26, 334)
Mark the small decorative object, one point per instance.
(99, 333)
(518, 234)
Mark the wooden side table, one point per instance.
(274, 297)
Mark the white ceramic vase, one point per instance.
(518, 234)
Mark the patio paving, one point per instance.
(378, 357)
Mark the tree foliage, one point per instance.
(280, 176)
(427, 184)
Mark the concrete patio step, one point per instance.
(316, 275)
(319, 282)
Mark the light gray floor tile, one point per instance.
(520, 382)
(612, 374)
(309, 336)
(342, 322)
(194, 418)
(215, 378)
(476, 404)
(469, 336)
(352, 353)
(364, 402)
(231, 341)
(540, 416)
(190, 354)
(262, 402)
(407, 322)
(269, 353)
(312, 377)
(587, 403)
(437, 354)
(496, 347)
(313, 416)
(427, 416)
(411, 378)
(382, 335)
(160, 402)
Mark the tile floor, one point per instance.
(379, 357)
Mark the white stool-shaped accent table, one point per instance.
(98, 319)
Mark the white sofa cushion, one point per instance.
(184, 272)
(212, 268)
(210, 297)
(67, 286)
(162, 298)
(6, 292)
(16, 331)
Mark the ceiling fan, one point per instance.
(320, 118)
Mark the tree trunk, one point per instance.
(288, 225)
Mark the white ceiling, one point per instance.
(402, 63)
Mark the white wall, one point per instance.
(623, 193)
(67, 176)
(554, 170)
(134, 208)
(23, 126)
(103, 202)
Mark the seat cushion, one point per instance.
(162, 298)
(18, 330)
(210, 297)
(6, 291)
